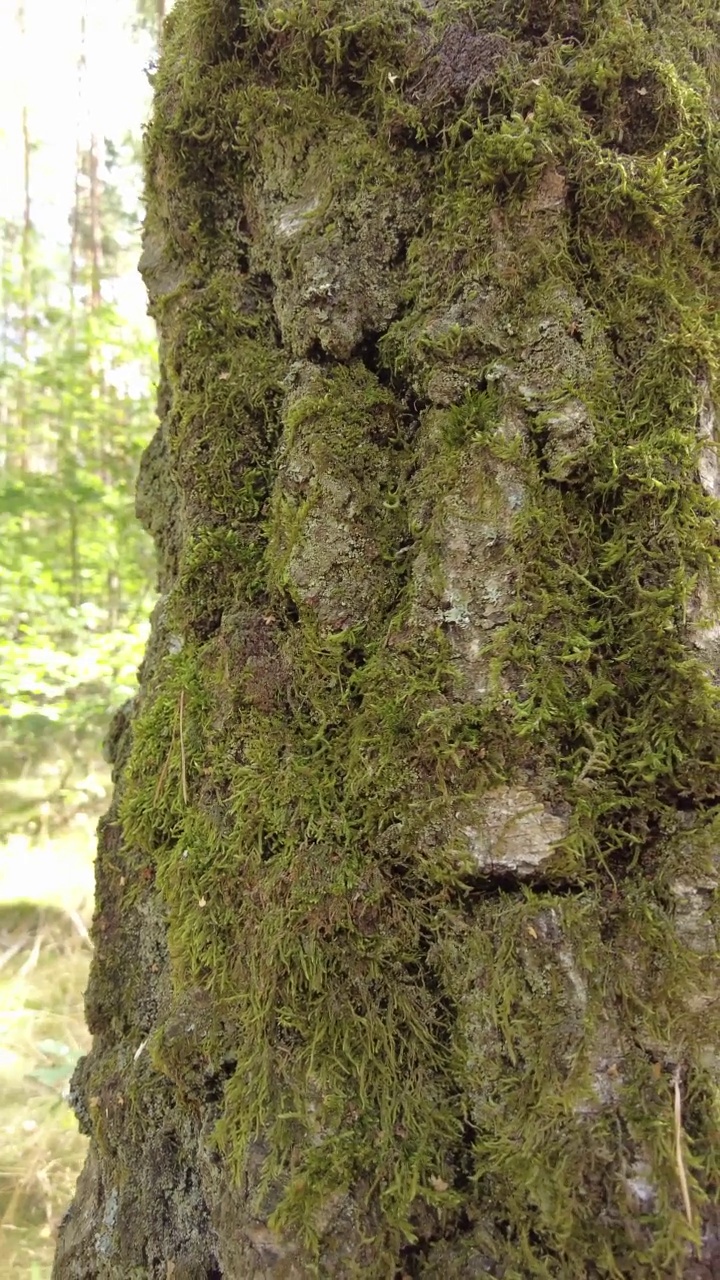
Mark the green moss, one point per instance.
(547, 1103)
(224, 377)
(337, 518)
(399, 1025)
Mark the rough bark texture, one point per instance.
(406, 939)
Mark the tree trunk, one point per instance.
(23, 448)
(95, 228)
(406, 933)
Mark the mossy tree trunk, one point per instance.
(406, 940)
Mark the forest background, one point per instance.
(77, 394)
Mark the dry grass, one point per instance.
(46, 891)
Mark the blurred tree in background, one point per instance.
(76, 410)
(77, 406)
(151, 15)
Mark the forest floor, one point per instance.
(46, 896)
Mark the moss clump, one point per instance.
(499, 433)
(338, 513)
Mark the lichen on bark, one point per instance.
(407, 954)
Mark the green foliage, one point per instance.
(75, 579)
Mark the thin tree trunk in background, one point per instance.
(68, 438)
(114, 598)
(69, 441)
(96, 270)
(75, 235)
(5, 408)
(76, 213)
(95, 299)
(86, 255)
(95, 302)
(75, 578)
(406, 943)
(26, 238)
(21, 448)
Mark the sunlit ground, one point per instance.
(46, 889)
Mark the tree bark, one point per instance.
(406, 932)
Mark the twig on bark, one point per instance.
(679, 1156)
(182, 748)
(163, 772)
